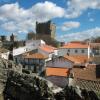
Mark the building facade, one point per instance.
(34, 62)
(60, 62)
(74, 48)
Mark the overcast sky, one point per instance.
(74, 19)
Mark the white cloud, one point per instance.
(10, 26)
(47, 10)
(95, 32)
(16, 19)
(70, 25)
(13, 12)
(77, 7)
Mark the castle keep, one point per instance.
(46, 29)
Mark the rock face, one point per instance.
(15, 85)
(3, 74)
(24, 87)
(5, 68)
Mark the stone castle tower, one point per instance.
(47, 29)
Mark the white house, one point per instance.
(30, 45)
(48, 51)
(74, 48)
(18, 51)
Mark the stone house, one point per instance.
(58, 71)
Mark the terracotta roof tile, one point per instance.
(36, 56)
(72, 45)
(47, 48)
(89, 85)
(57, 72)
(88, 73)
(86, 78)
(77, 58)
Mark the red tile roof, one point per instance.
(75, 45)
(48, 48)
(88, 73)
(35, 56)
(57, 72)
(77, 58)
(86, 78)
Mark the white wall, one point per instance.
(43, 52)
(30, 45)
(19, 51)
(56, 52)
(49, 55)
(22, 50)
(35, 43)
(64, 51)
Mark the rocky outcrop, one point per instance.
(5, 67)
(24, 87)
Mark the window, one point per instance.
(68, 50)
(76, 51)
(82, 51)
